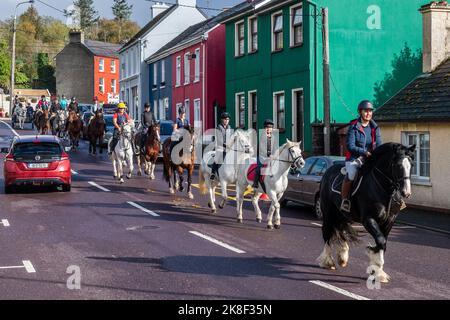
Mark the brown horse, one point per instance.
(176, 161)
(150, 156)
(95, 132)
(41, 120)
(74, 127)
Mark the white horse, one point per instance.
(21, 114)
(275, 173)
(123, 153)
(59, 123)
(238, 149)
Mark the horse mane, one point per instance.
(388, 150)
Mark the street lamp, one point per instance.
(13, 54)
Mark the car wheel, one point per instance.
(66, 188)
(283, 203)
(317, 209)
(9, 189)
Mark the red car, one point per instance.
(36, 161)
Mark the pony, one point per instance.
(376, 198)
(74, 126)
(274, 182)
(41, 121)
(238, 149)
(151, 150)
(21, 115)
(58, 123)
(95, 132)
(123, 153)
(177, 164)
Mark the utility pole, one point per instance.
(326, 82)
(13, 54)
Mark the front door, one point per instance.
(298, 117)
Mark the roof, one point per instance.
(427, 98)
(106, 49)
(244, 7)
(149, 26)
(197, 30)
(32, 92)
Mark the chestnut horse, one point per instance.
(96, 132)
(152, 148)
(42, 122)
(74, 127)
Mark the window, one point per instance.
(179, 105)
(122, 74)
(277, 32)
(253, 110)
(155, 109)
(240, 110)
(421, 167)
(197, 65)
(101, 85)
(308, 164)
(166, 108)
(296, 26)
(280, 111)
(187, 109)
(163, 73)
(178, 76)
(253, 35)
(187, 69)
(197, 113)
(155, 75)
(239, 39)
(101, 65)
(113, 66)
(113, 86)
(161, 110)
(319, 168)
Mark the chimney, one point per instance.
(76, 36)
(157, 8)
(436, 34)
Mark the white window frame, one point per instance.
(238, 109)
(272, 29)
(178, 106)
(163, 73)
(101, 65)
(166, 108)
(187, 108)
(294, 114)
(291, 23)
(187, 68)
(197, 113)
(237, 53)
(250, 49)
(417, 178)
(178, 72)
(155, 75)
(113, 86)
(101, 84)
(197, 65)
(275, 110)
(123, 72)
(156, 109)
(113, 66)
(250, 108)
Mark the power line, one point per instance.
(50, 6)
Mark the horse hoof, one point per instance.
(240, 221)
(209, 205)
(277, 226)
(259, 220)
(191, 196)
(171, 191)
(213, 211)
(383, 277)
(221, 206)
(152, 177)
(122, 182)
(270, 227)
(129, 177)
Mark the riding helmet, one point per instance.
(181, 110)
(365, 105)
(225, 115)
(268, 123)
(121, 106)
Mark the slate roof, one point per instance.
(427, 98)
(105, 49)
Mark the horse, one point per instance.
(274, 182)
(42, 121)
(237, 150)
(96, 131)
(376, 202)
(151, 150)
(177, 164)
(58, 123)
(123, 153)
(74, 126)
(21, 115)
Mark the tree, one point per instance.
(46, 73)
(122, 12)
(5, 64)
(109, 30)
(88, 14)
(405, 67)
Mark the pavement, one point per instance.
(136, 241)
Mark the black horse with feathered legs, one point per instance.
(376, 203)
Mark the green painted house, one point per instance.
(274, 60)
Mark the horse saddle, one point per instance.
(336, 186)
(251, 173)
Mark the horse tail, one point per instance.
(202, 185)
(166, 166)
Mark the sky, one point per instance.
(141, 8)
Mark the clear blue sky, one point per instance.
(141, 8)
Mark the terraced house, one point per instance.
(274, 60)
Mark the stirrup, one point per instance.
(346, 205)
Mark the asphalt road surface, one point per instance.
(136, 241)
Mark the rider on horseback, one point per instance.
(267, 143)
(42, 104)
(120, 118)
(147, 120)
(363, 137)
(223, 131)
(180, 123)
(63, 103)
(73, 106)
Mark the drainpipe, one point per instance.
(315, 60)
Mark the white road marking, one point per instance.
(13, 131)
(74, 172)
(5, 223)
(316, 224)
(143, 209)
(338, 290)
(28, 266)
(220, 243)
(12, 267)
(98, 186)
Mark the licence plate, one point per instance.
(38, 165)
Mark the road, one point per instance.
(136, 241)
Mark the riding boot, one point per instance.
(112, 146)
(257, 177)
(345, 193)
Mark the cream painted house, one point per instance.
(420, 114)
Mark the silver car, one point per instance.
(303, 185)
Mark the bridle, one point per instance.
(246, 147)
(290, 154)
(395, 184)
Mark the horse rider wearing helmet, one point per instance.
(180, 123)
(147, 120)
(267, 144)
(73, 105)
(363, 137)
(42, 104)
(120, 119)
(222, 132)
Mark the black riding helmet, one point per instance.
(365, 105)
(225, 115)
(268, 123)
(146, 105)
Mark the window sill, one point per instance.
(293, 46)
(253, 52)
(197, 81)
(239, 56)
(421, 182)
(163, 87)
(277, 51)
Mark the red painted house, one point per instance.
(87, 69)
(197, 73)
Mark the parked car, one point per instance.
(36, 161)
(165, 131)
(109, 108)
(109, 128)
(85, 108)
(304, 183)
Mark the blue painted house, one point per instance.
(161, 88)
